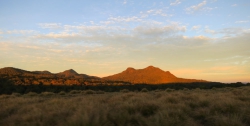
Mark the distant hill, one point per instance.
(68, 73)
(42, 72)
(13, 71)
(148, 75)
(67, 77)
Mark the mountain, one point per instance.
(68, 73)
(42, 72)
(67, 77)
(148, 75)
(14, 71)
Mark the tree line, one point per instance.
(8, 87)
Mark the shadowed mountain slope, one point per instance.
(148, 75)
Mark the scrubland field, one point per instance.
(197, 107)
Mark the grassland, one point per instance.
(217, 107)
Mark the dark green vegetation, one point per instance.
(214, 107)
(7, 87)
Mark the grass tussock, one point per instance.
(217, 107)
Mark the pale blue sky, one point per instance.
(203, 39)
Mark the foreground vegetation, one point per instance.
(218, 107)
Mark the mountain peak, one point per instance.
(150, 67)
(149, 75)
(130, 69)
(69, 72)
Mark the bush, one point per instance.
(62, 93)
(100, 92)
(124, 90)
(169, 90)
(158, 90)
(31, 94)
(16, 94)
(144, 90)
(4, 96)
(75, 92)
(148, 109)
(47, 93)
(90, 92)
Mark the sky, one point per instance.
(199, 39)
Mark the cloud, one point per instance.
(207, 30)
(228, 32)
(242, 21)
(194, 41)
(196, 27)
(107, 22)
(61, 35)
(125, 2)
(176, 2)
(201, 37)
(234, 5)
(50, 25)
(29, 46)
(23, 32)
(155, 12)
(231, 31)
(197, 7)
(154, 30)
(125, 19)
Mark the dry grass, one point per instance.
(217, 107)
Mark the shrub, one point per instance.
(16, 94)
(90, 92)
(197, 89)
(31, 94)
(157, 90)
(148, 109)
(47, 93)
(62, 93)
(214, 88)
(124, 90)
(144, 90)
(4, 96)
(169, 90)
(100, 92)
(75, 92)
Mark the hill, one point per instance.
(67, 77)
(14, 71)
(68, 73)
(148, 75)
(42, 72)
